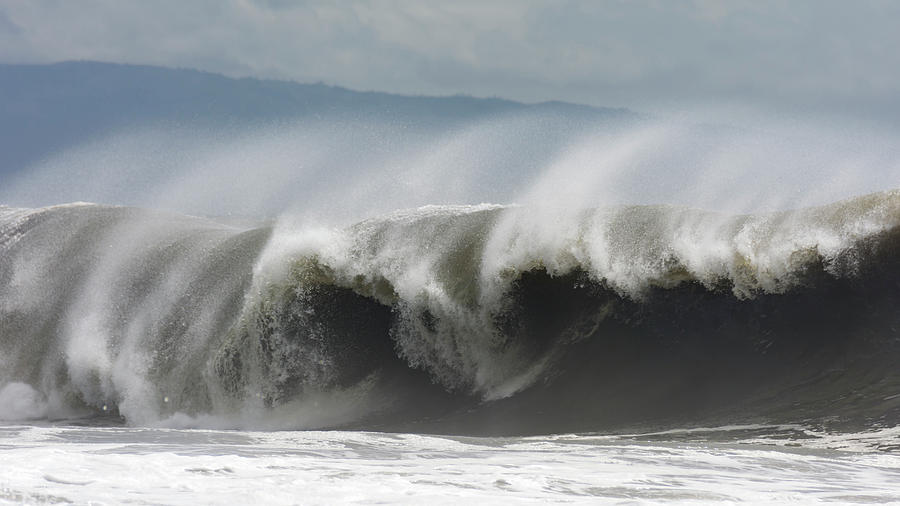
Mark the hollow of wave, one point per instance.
(455, 319)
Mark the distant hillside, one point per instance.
(46, 108)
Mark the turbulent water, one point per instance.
(472, 319)
(500, 324)
(758, 464)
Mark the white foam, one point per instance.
(190, 466)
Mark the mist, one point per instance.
(343, 171)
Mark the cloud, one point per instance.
(609, 53)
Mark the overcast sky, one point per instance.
(834, 55)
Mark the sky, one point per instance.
(828, 55)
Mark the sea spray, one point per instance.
(151, 315)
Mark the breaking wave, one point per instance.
(472, 319)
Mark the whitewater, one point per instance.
(152, 466)
(534, 353)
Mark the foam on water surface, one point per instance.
(106, 465)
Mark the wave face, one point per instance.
(471, 319)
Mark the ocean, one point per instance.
(756, 464)
(490, 353)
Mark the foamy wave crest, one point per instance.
(448, 271)
(167, 319)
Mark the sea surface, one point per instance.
(55, 464)
(488, 353)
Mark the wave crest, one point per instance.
(160, 316)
